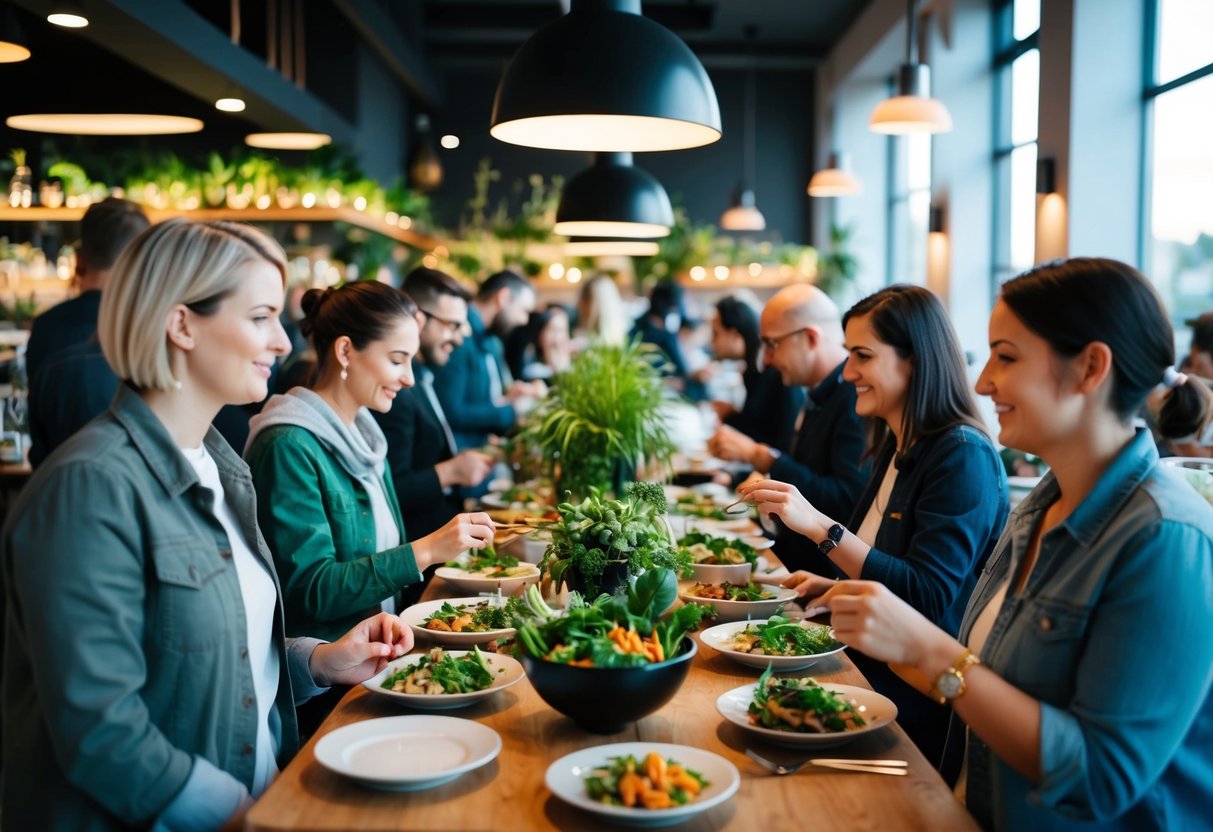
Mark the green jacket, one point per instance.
(124, 630)
(318, 522)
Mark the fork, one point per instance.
(894, 767)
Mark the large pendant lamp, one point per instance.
(605, 78)
(912, 110)
(613, 198)
(835, 179)
(14, 45)
(744, 215)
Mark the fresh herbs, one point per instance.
(491, 565)
(615, 630)
(708, 549)
(475, 618)
(438, 672)
(802, 706)
(780, 636)
(598, 530)
(657, 783)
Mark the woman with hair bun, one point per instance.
(1081, 676)
(327, 505)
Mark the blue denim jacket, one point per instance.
(1112, 635)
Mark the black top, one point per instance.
(70, 323)
(770, 410)
(75, 385)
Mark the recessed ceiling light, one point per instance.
(450, 142)
(67, 20)
(230, 105)
(288, 141)
(104, 124)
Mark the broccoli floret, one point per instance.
(649, 493)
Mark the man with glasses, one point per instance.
(474, 386)
(802, 338)
(430, 473)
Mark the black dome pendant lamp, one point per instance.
(605, 78)
(612, 198)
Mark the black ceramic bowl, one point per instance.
(606, 699)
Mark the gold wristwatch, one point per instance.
(950, 684)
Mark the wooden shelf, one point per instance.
(344, 214)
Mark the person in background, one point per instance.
(1200, 357)
(659, 326)
(147, 679)
(474, 386)
(1186, 421)
(601, 315)
(802, 339)
(937, 499)
(326, 503)
(541, 349)
(69, 380)
(1080, 680)
(769, 413)
(428, 471)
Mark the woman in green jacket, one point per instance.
(327, 506)
(147, 680)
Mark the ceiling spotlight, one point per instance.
(450, 142)
(230, 105)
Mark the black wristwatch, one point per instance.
(833, 538)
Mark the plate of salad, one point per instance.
(778, 642)
(643, 783)
(738, 602)
(799, 712)
(439, 679)
(487, 570)
(464, 621)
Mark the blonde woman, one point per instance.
(147, 678)
(601, 314)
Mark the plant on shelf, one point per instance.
(598, 542)
(602, 419)
(838, 267)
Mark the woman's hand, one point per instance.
(463, 531)
(789, 505)
(806, 584)
(731, 444)
(866, 615)
(362, 652)
(464, 468)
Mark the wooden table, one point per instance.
(509, 793)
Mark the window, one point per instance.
(909, 207)
(1179, 158)
(1016, 96)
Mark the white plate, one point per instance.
(720, 637)
(738, 525)
(566, 779)
(877, 711)
(464, 581)
(408, 753)
(506, 671)
(742, 610)
(416, 615)
(718, 573)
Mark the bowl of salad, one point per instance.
(738, 602)
(716, 560)
(462, 622)
(487, 570)
(440, 680)
(778, 642)
(607, 663)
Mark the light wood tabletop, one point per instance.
(509, 793)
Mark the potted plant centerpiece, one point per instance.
(598, 542)
(602, 419)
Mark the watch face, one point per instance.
(826, 546)
(949, 684)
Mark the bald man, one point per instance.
(802, 338)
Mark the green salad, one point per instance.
(730, 592)
(487, 563)
(781, 636)
(438, 672)
(699, 505)
(707, 549)
(474, 618)
(801, 706)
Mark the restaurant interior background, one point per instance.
(1079, 127)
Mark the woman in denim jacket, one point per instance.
(1089, 706)
(937, 499)
(147, 679)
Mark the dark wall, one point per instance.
(702, 179)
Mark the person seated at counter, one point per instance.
(937, 499)
(802, 339)
(1080, 680)
(768, 415)
(1199, 361)
(542, 348)
(147, 679)
(659, 326)
(326, 502)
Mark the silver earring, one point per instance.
(345, 373)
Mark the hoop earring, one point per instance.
(345, 373)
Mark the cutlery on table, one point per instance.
(895, 767)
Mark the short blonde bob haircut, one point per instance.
(197, 264)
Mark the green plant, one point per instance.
(603, 418)
(838, 267)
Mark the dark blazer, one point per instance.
(415, 444)
(465, 389)
(664, 340)
(73, 386)
(770, 409)
(825, 463)
(67, 324)
(946, 511)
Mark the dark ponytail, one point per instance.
(1187, 409)
(364, 311)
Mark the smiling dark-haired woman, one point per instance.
(937, 499)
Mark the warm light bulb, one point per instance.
(449, 141)
(230, 105)
(67, 21)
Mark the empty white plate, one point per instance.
(408, 753)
